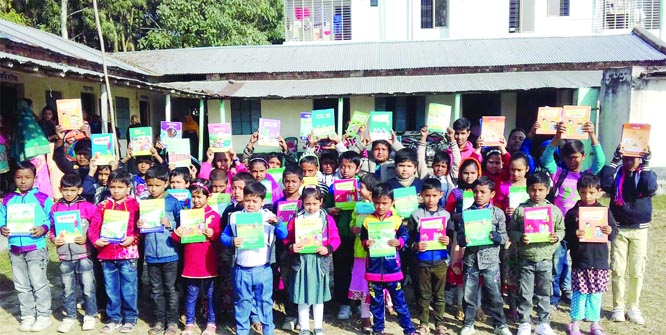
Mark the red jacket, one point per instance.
(201, 258)
(115, 251)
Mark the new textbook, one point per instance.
(250, 227)
(538, 223)
(478, 225)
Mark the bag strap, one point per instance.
(560, 180)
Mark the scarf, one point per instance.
(406, 182)
(619, 183)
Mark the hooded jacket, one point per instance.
(454, 201)
(42, 208)
(159, 247)
(482, 257)
(115, 251)
(73, 251)
(587, 255)
(388, 268)
(429, 257)
(535, 252)
(639, 187)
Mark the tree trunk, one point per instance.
(63, 19)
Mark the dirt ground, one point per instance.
(654, 294)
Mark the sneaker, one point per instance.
(67, 325)
(318, 332)
(467, 330)
(618, 315)
(502, 330)
(544, 329)
(42, 323)
(634, 315)
(524, 329)
(26, 323)
(304, 332)
(171, 329)
(88, 323)
(344, 313)
(289, 324)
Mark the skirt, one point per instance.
(309, 285)
(588, 281)
(358, 288)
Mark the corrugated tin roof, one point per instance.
(38, 38)
(477, 82)
(396, 55)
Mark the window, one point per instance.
(625, 14)
(433, 13)
(245, 114)
(514, 16)
(122, 106)
(408, 111)
(558, 7)
(374, 3)
(317, 20)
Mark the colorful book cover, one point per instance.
(219, 202)
(468, 200)
(193, 222)
(430, 229)
(357, 121)
(151, 212)
(310, 181)
(277, 174)
(323, 123)
(184, 196)
(170, 130)
(114, 226)
(635, 139)
(363, 209)
(67, 225)
(287, 209)
(308, 231)
(439, 117)
(517, 195)
(269, 131)
(591, 219)
(406, 201)
(345, 193)
(219, 137)
(20, 218)
(538, 224)
(102, 148)
(548, 118)
(4, 163)
(70, 114)
(306, 125)
(492, 130)
(381, 232)
(269, 191)
(478, 225)
(179, 152)
(250, 227)
(381, 126)
(574, 117)
(141, 140)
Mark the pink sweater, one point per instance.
(200, 259)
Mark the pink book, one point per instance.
(538, 223)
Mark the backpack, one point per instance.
(558, 183)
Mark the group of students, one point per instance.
(242, 281)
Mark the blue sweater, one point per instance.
(42, 209)
(159, 246)
(429, 257)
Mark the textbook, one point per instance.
(67, 225)
(406, 201)
(141, 140)
(430, 229)
(478, 225)
(538, 224)
(381, 126)
(310, 181)
(591, 219)
(548, 118)
(20, 218)
(151, 212)
(102, 148)
(517, 195)
(219, 202)
(170, 130)
(287, 209)
(193, 223)
(439, 118)
(277, 174)
(269, 191)
(184, 196)
(635, 139)
(381, 232)
(574, 117)
(70, 115)
(114, 226)
(323, 123)
(269, 131)
(363, 209)
(345, 193)
(468, 200)
(179, 152)
(306, 125)
(308, 231)
(219, 136)
(492, 130)
(250, 227)
(358, 120)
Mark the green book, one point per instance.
(269, 191)
(141, 140)
(151, 212)
(478, 225)
(406, 201)
(358, 120)
(363, 209)
(439, 117)
(179, 152)
(381, 232)
(20, 218)
(219, 202)
(277, 174)
(323, 123)
(250, 227)
(114, 225)
(308, 231)
(517, 195)
(468, 200)
(193, 223)
(381, 126)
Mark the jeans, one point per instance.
(193, 285)
(378, 308)
(343, 261)
(162, 278)
(120, 279)
(34, 294)
(100, 290)
(561, 274)
(491, 289)
(78, 272)
(628, 256)
(253, 288)
(535, 280)
(432, 281)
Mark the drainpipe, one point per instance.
(167, 108)
(222, 112)
(201, 124)
(457, 106)
(104, 100)
(341, 106)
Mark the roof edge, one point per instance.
(649, 38)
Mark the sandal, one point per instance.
(597, 331)
(422, 330)
(109, 328)
(460, 315)
(257, 327)
(189, 330)
(127, 327)
(172, 329)
(441, 330)
(210, 330)
(157, 329)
